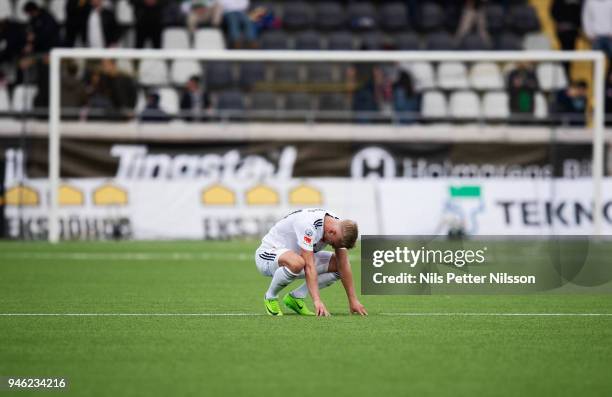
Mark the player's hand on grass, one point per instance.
(320, 309)
(356, 307)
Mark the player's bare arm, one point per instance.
(346, 275)
(312, 283)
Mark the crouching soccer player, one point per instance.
(293, 249)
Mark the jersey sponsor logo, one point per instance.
(308, 232)
(308, 240)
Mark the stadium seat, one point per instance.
(452, 75)
(362, 15)
(288, 72)
(464, 105)
(320, 72)
(175, 38)
(495, 105)
(168, 100)
(551, 76)
(329, 16)
(537, 41)
(218, 75)
(407, 42)
(6, 9)
(251, 73)
(523, 19)
(153, 72)
(23, 98)
(473, 42)
(423, 74)
(208, 39)
(58, 9)
(486, 76)
(340, 41)
(262, 101)
(5, 101)
(296, 101)
(496, 18)
(297, 15)
(508, 42)
(393, 17)
(333, 102)
(124, 12)
(183, 69)
(308, 40)
(440, 41)
(126, 66)
(230, 100)
(274, 40)
(434, 105)
(19, 15)
(372, 41)
(432, 17)
(541, 106)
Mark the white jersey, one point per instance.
(302, 229)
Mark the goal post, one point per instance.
(57, 55)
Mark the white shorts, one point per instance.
(266, 260)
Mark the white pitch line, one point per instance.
(129, 314)
(500, 314)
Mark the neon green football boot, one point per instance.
(297, 305)
(272, 307)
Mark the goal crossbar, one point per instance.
(58, 54)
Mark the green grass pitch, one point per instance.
(262, 356)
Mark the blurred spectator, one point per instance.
(102, 28)
(364, 80)
(202, 12)
(148, 21)
(194, 100)
(263, 18)
(522, 86)
(111, 93)
(571, 103)
(43, 30)
(77, 13)
(567, 14)
(414, 11)
(12, 40)
(73, 93)
(597, 24)
(473, 14)
(152, 112)
(406, 100)
(241, 30)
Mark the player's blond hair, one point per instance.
(350, 232)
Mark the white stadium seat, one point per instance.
(153, 72)
(452, 76)
(23, 98)
(434, 105)
(5, 102)
(209, 39)
(465, 105)
(496, 105)
(168, 100)
(486, 76)
(6, 9)
(551, 76)
(537, 41)
(175, 38)
(58, 9)
(126, 66)
(124, 12)
(541, 106)
(423, 74)
(182, 69)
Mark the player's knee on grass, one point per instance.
(292, 261)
